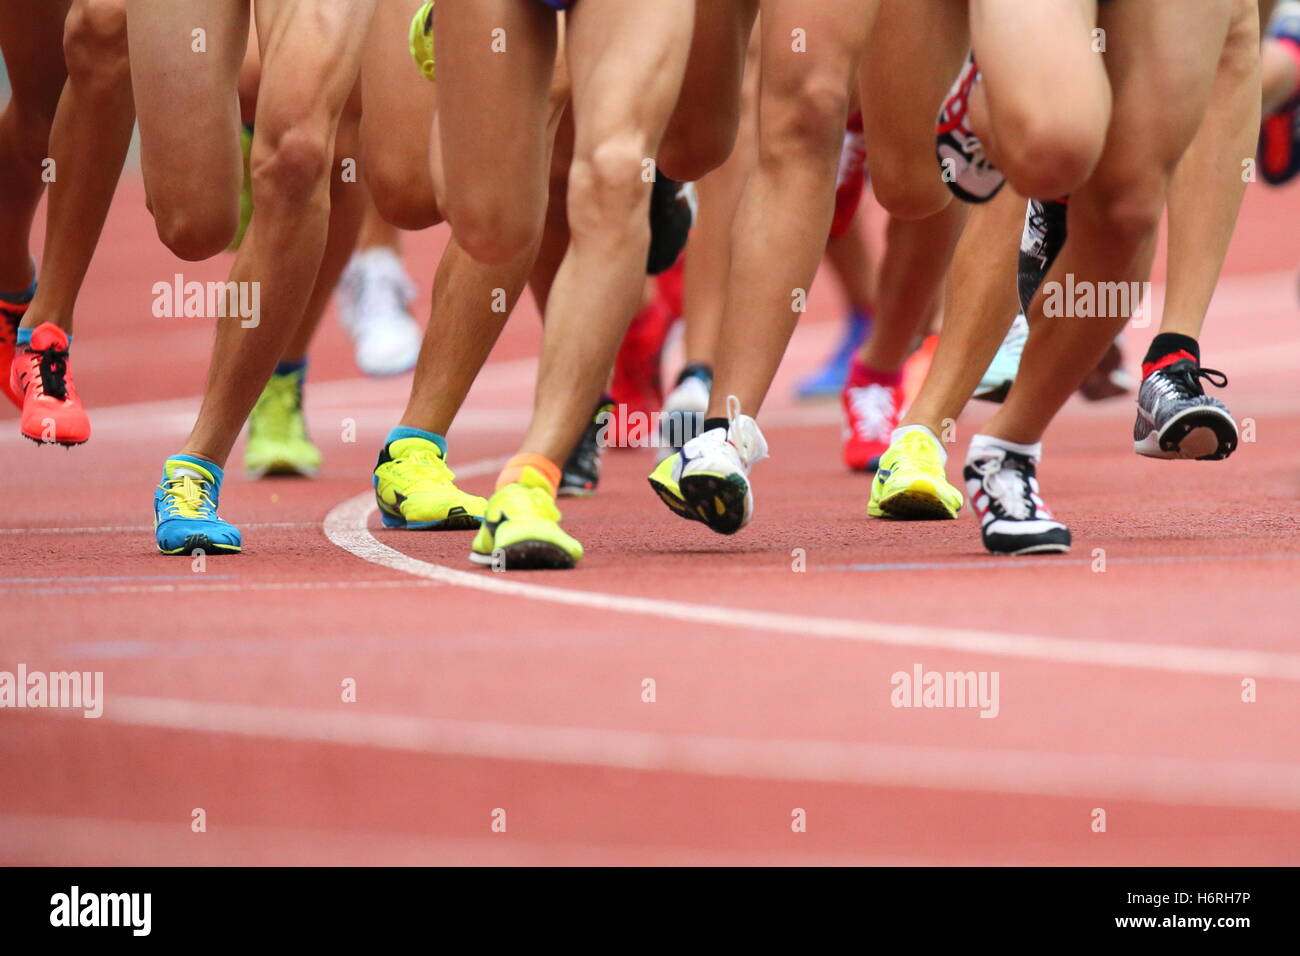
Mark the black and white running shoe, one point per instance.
(581, 473)
(1041, 242)
(1176, 419)
(962, 163)
(1002, 487)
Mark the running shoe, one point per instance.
(636, 387)
(581, 472)
(11, 315)
(277, 431)
(872, 405)
(830, 378)
(1176, 419)
(416, 490)
(672, 213)
(1002, 484)
(684, 408)
(40, 373)
(711, 473)
(521, 529)
(374, 305)
(421, 42)
(185, 509)
(1108, 379)
(910, 482)
(996, 383)
(1279, 134)
(1041, 242)
(964, 167)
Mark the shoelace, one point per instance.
(919, 451)
(188, 498)
(873, 411)
(1007, 488)
(53, 368)
(743, 433)
(1185, 379)
(419, 463)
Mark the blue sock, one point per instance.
(401, 431)
(288, 368)
(20, 298)
(25, 338)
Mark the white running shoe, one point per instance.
(374, 303)
(996, 383)
(1002, 485)
(714, 471)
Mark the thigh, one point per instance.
(185, 59)
(311, 55)
(707, 115)
(496, 60)
(626, 64)
(31, 38)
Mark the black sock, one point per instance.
(1166, 343)
(712, 423)
(700, 370)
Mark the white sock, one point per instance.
(1033, 452)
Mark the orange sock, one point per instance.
(516, 465)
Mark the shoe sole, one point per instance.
(573, 492)
(1034, 549)
(1198, 434)
(57, 441)
(201, 542)
(716, 500)
(280, 469)
(1052, 542)
(458, 519)
(919, 501)
(675, 505)
(997, 395)
(527, 556)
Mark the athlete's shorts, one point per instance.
(559, 4)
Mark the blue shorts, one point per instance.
(559, 4)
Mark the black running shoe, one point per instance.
(581, 473)
(1040, 243)
(672, 212)
(1002, 487)
(1176, 419)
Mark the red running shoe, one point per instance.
(873, 402)
(11, 314)
(39, 372)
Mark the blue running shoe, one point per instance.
(830, 379)
(185, 509)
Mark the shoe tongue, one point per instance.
(185, 469)
(48, 334)
(406, 446)
(530, 477)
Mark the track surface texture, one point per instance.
(487, 700)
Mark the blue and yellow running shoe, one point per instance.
(521, 529)
(414, 488)
(421, 41)
(185, 509)
(910, 482)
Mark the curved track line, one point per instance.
(347, 525)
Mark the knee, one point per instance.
(1122, 214)
(290, 164)
(904, 194)
(608, 184)
(397, 197)
(194, 233)
(692, 150)
(1050, 156)
(806, 118)
(492, 228)
(94, 43)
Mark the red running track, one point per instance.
(481, 696)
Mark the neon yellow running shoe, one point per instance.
(414, 489)
(910, 482)
(277, 433)
(664, 480)
(521, 529)
(421, 38)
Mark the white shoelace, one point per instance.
(873, 411)
(745, 435)
(1005, 486)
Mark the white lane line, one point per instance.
(1167, 780)
(347, 526)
